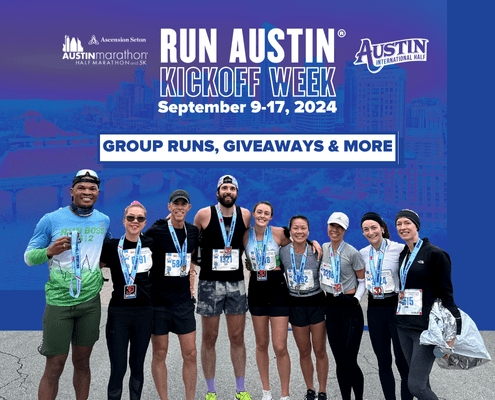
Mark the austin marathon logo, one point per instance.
(376, 56)
(73, 50)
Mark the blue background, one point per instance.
(32, 77)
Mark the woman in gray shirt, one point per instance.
(342, 273)
(306, 311)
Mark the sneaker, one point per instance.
(322, 396)
(211, 396)
(285, 398)
(310, 395)
(243, 396)
(267, 395)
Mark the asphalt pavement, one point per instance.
(22, 367)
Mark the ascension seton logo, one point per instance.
(376, 56)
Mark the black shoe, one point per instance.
(310, 395)
(322, 396)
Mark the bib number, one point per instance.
(223, 261)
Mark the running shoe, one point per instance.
(322, 396)
(285, 398)
(211, 396)
(243, 396)
(267, 395)
(310, 395)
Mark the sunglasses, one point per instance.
(130, 218)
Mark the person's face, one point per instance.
(299, 230)
(262, 215)
(373, 232)
(335, 232)
(178, 210)
(85, 194)
(134, 227)
(406, 229)
(227, 195)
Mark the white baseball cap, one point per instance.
(339, 218)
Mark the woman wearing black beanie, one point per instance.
(424, 276)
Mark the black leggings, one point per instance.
(420, 359)
(124, 325)
(345, 324)
(383, 329)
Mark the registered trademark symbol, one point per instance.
(341, 33)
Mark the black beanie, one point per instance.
(373, 217)
(409, 214)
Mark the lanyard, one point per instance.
(377, 273)
(405, 270)
(226, 240)
(182, 252)
(335, 262)
(76, 263)
(260, 255)
(298, 274)
(129, 279)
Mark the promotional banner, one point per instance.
(315, 106)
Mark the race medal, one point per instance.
(335, 263)
(261, 275)
(337, 289)
(130, 291)
(183, 270)
(227, 250)
(378, 292)
(401, 295)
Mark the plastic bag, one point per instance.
(469, 349)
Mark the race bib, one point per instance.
(270, 261)
(388, 283)
(411, 303)
(173, 265)
(145, 260)
(326, 276)
(225, 262)
(307, 282)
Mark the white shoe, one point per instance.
(267, 395)
(285, 398)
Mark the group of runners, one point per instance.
(317, 289)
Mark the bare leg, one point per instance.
(303, 342)
(82, 373)
(48, 387)
(319, 340)
(262, 334)
(208, 342)
(279, 340)
(190, 366)
(158, 364)
(235, 327)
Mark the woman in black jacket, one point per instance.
(424, 276)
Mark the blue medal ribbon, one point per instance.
(405, 269)
(260, 253)
(335, 262)
(226, 240)
(129, 278)
(298, 274)
(181, 251)
(377, 273)
(76, 263)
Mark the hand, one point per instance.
(317, 249)
(451, 345)
(59, 246)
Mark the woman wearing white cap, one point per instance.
(424, 276)
(342, 273)
(382, 281)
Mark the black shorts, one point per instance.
(270, 297)
(178, 319)
(306, 311)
